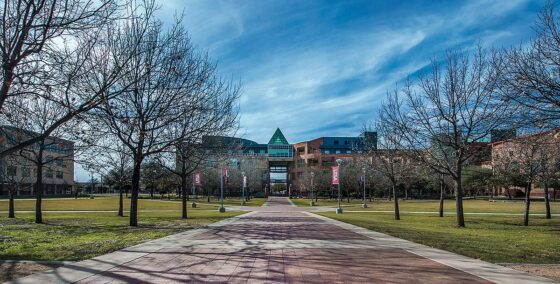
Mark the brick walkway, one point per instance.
(278, 243)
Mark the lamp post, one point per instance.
(243, 188)
(364, 186)
(222, 208)
(193, 204)
(339, 163)
(312, 187)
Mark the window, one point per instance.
(59, 174)
(59, 162)
(345, 142)
(48, 173)
(25, 172)
(11, 171)
(349, 151)
(48, 159)
(337, 151)
(327, 151)
(335, 142)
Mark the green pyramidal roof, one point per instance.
(278, 138)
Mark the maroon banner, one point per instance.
(335, 175)
(197, 181)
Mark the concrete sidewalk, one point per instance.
(280, 243)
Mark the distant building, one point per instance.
(18, 171)
(514, 152)
(280, 164)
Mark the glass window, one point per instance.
(25, 172)
(48, 173)
(59, 174)
(11, 171)
(338, 151)
(327, 151)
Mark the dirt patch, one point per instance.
(551, 271)
(14, 270)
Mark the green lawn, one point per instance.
(433, 205)
(77, 236)
(256, 202)
(112, 203)
(497, 239)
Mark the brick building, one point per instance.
(18, 171)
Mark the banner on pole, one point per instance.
(244, 181)
(225, 174)
(335, 175)
(197, 181)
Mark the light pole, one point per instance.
(243, 187)
(364, 186)
(312, 187)
(339, 163)
(193, 204)
(222, 208)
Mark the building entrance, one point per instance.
(278, 176)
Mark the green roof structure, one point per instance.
(278, 138)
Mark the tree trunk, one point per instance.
(39, 188)
(527, 204)
(389, 195)
(459, 201)
(508, 193)
(547, 201)
(11, 209)
(184, 195)
(406, 193)
(441, 197)
(121, 205)
(135, 190)
(396, 201)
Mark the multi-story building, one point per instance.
(280, 164)
(532, 155)
(18, 171)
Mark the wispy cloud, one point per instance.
(319, 68)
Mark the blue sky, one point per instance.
(321, 68)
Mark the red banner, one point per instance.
(225, 174)
(197, 181)
(335, 175)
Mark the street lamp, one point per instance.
(222, 208)
(364, 186)
(193, 204)
(243, 187)
(339, 163)
(312, 186)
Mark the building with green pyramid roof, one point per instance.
(279, 167)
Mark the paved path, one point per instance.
(280, 243)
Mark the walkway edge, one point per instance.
(489, 271)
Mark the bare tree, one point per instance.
(14, 173)
(524, 157)
(28, 117)
(59, 50)
(391, 160)
(449, 108)
(532, 74)
(167, 81)
(110, 158)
